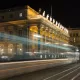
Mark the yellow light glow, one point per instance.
(34, 28)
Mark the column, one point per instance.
(39, 38)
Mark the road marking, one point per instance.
(60, 73)
(68, 74)
(75, 76)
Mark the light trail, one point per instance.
(33, 61)
(18, 39)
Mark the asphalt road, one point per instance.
(65, 72)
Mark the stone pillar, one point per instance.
(39, 38)
(27, 37)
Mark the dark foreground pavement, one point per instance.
(64, 72)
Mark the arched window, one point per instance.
(19, 49)
(10, 49)
(1, 49)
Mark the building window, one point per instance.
(10, 49)
(20, 32)
(1, 49)
(76, 34)
(73, 34)
(2, 17)
(20, 14)
(19, 49)
(70, 35)
(11, 15)
(2, 35)
(10, 32)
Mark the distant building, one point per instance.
(74, 36)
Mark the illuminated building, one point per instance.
(18, 24)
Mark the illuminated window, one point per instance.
(40, 56)
(19, 49)
(20, 14)
(10, 48)
(45, 56)
(1, 49)
(52, 56)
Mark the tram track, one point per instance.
(60, 75)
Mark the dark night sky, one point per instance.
(64, 11)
